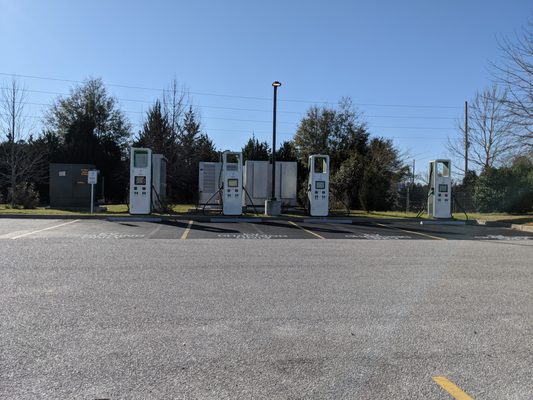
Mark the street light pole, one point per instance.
(275, 84)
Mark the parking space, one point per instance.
(438, 309)
(461, 232)
(249, 230)
(15, 227)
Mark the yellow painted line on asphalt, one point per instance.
(408, 231)
(45, 229)
(187, 230)
(306, 230)
(452, 389)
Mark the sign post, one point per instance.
(92, 178)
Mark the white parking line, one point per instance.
(45, 229)
(306, 230)
(187, 230)
(408, 231)
(257, 228)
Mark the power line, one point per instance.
(268, 121)
(429, 128)
(214, 131)
(232, 96)
(243, 120)
(251, 109)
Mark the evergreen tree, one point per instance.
(255, 150)
(91, 129)
(91, 102)
(157, 133)
(194, 146)
(287, 152)
(363, 173)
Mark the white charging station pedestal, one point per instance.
(140, 181)
(318, 185)
(440, 189)
(232, 192)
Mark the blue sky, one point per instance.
(407, 65)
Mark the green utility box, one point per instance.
(69, 187)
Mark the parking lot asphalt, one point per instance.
(95, 309)
(268, 229)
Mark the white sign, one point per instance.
(92, 177)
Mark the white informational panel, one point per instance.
(318, 185)
(440, 189)
(209, 182)
(258, 182)
(140, 181)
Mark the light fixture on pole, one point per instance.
(273, 206)
(276, 85)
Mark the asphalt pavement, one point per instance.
(147, 310)
(153, 228)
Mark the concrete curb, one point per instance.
(134, 219)
(245, 218)
(326, 220)
(516, 227)
(236, 219)
(493, 223)
(209, 218)
(433, 222)
(523, 228)
(52, 216)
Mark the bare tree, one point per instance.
(20, 160)
(175, 102)
(516, 76)
(490, 133)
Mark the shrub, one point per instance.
(24, 195)
(508, 189)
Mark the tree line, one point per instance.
(88, 126)
(497, 142)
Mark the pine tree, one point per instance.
(194, 146)
(255, 150)
(157, 133)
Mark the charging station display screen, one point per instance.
(233, 183)
(443, 188)
(320, 184)
(321, 165)
(140, 159)
(140, 180)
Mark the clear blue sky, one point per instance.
(381, 53)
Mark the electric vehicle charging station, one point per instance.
(440, 189)
(147, 181)
(232, 191)
(140, 181)
(318, 185)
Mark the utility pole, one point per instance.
(413, 177)
(467, 144)
(410, 185)
(407, 200)
(11, 141)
